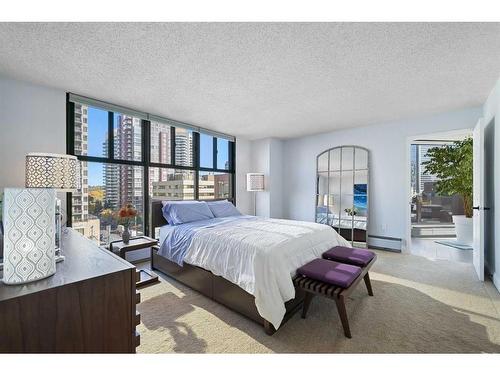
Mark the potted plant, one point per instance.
(125, 215)
(350, 212)
(452, 164)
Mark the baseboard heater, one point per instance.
(385, 243)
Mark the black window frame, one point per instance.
(146, 162)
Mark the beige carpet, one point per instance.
(420, 306)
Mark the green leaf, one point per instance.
(452, 164)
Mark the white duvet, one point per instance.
(261, 256)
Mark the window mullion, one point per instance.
(111, 136)
(146, 158)
(196, 164)
(214, 153)
(172, 145)
(70, 149)
(232, 171)
(231, 156)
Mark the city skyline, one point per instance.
(418, 174)
(98, 135)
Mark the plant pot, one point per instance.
(126, 235)
(464, 229)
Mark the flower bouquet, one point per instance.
(125, 215)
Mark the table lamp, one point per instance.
(57, 171)
(29, 239)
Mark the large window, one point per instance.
(128, 159)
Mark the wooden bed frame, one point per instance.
(359, 234)
(215, 287)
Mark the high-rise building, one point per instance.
(81, 220)
(413, 169)
(111, 178)
(424, 176)
(160, 143)
(123, 184)
(183, 147)
(160, 153)
(80, 208)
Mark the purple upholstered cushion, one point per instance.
(350, 255)
(330, 272)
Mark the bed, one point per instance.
(349, 227)
(245, 263)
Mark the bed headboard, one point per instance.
(157, 219)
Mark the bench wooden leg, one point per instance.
(340, 301)
(307, 302)
(368, 284)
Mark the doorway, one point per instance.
(432, 231)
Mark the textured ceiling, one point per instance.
(262, 79)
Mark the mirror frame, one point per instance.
(354, 147)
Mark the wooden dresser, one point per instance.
(88, 306)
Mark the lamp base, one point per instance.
(59, 258)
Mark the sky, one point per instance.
(98, 127)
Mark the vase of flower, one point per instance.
(126, 235)
(125, 217)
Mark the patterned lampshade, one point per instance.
(55, 171)
(255, 181)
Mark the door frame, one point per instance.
(478, 217)
(406, 248)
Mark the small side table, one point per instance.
(143, 277)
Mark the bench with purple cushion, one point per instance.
(335, 280)
(349, 255)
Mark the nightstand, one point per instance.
(143, 277)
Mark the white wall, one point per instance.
(389, 163)
(260, 162)
(275, 184)
(267, 158)
(244, 200)
(32, 119)
(491, 114)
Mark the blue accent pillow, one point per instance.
(323, 210)
(180, 212)
(223, 208)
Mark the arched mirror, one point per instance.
(342, 192)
